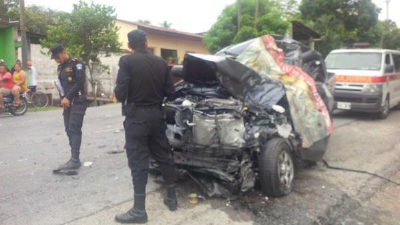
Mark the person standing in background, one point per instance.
(32, 76)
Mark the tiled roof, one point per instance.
(164, 31)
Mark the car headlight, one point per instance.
(372, 88)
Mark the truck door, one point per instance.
(395, 79)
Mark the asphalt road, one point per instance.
(32, 145)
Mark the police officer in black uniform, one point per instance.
(142, 83)
(71, 74)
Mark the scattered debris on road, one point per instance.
(87, 164)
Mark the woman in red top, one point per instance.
(6, 84)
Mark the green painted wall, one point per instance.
(7, 46)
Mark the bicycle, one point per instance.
(36, 98)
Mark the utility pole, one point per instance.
(239, 12)
(2, 9)
(24, 42)
(387, 9)
(386, 24)
(256, 13)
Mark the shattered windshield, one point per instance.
(354, 61)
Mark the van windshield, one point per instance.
(354, 61)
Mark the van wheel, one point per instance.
(276, 168)
(385, 110)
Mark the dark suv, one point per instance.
(229, 126)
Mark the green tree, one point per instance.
(356, 16)
(11, 3)
(166, 24)
(238, 23)
(392, 39)
(38, 19)
(6, 5)
(341, 22)
(390, 34)
(145, 22)
(288, 8)
(88, 32)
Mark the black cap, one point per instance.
(56, 50)
(137, 38)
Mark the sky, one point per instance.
(185, 15)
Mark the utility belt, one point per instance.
(79, 99)
(130, 108)
(78, 104)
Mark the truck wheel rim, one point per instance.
(286, 170)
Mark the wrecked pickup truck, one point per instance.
(243, 114)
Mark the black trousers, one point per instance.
(145, 136)
(73, 120)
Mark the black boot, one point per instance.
(172, 204)
(171, 200)
(135, 215)
(72, 164)
(132, 216)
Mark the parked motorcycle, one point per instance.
(19, 110)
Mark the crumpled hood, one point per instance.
(239, 80)
(262, 74)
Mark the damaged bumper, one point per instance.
(225, 109)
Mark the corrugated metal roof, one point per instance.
(6, 23)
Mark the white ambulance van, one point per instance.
(367, 80)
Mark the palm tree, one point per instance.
(166, 24)
(145, 22)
